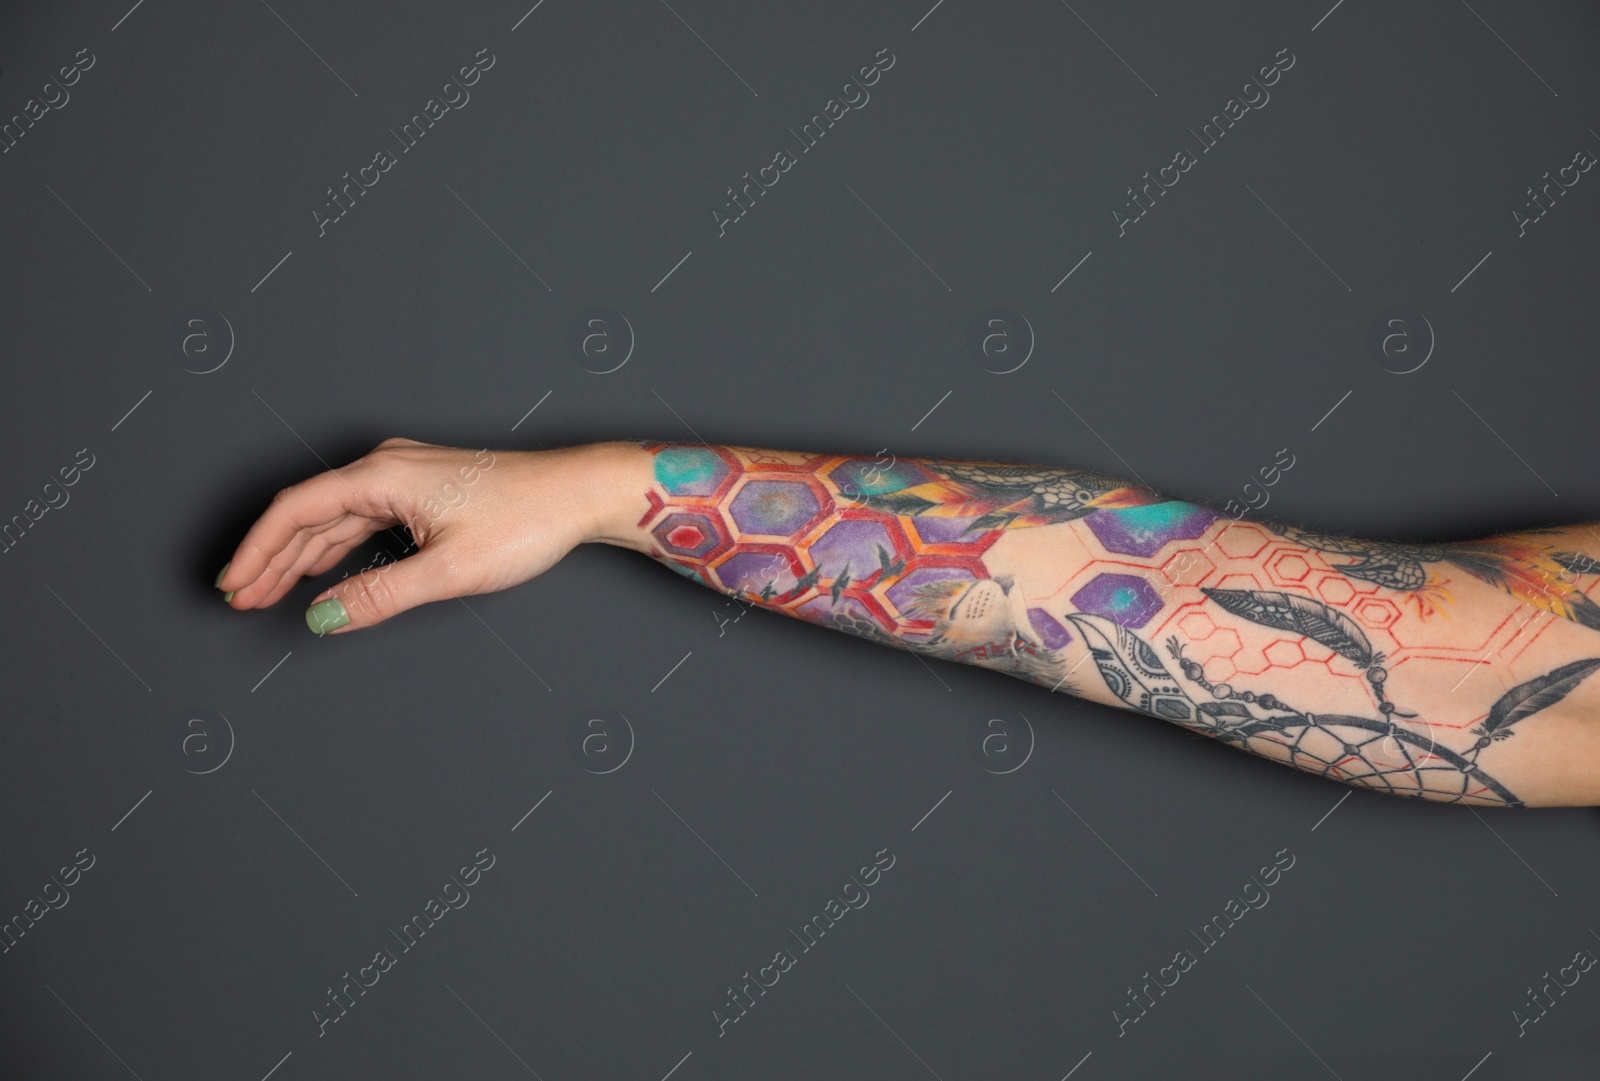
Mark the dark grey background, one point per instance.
(775, 759)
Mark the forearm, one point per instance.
(1455, 672)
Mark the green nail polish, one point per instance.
(228, 596)
(222, 574)
(328, 615)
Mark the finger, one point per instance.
(339, 538)
(373, 596)
(324, 553)
(253, 594)
(312, 506)
(313, 553)
(332, 558)
(286, 568)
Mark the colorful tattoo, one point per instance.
(1034, 571)
(808, 535)
(1528, 570)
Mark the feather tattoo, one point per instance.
(1300, 615)
(1528, 570)
(1526, 699)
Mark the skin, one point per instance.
(1459, 672)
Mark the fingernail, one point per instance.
(328, 615)
(223, 573)
(228, 596)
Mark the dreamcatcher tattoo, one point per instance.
(1375, 752)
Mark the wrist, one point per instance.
(615, 478)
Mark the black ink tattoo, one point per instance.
(1374, 752)
(1532, 572)
(1000, 496)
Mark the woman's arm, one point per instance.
(1457, 672)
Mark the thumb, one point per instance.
(377, 594)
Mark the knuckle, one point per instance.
(371, 598)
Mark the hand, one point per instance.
(483, 521)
